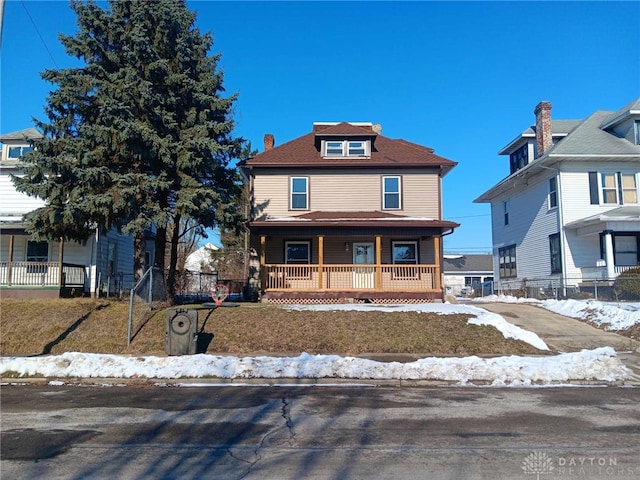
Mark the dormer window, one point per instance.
(335, 149)
(346, 148)
(519, 158)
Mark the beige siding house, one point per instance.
(346, 214)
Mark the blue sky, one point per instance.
(460, 77)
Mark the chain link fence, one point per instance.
(558, 288)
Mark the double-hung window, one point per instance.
(334, 149)
(629, 188)
(299, 193)
(614, 188)
(346, 148)
(391, 194)
(507, 262)
(609, 188)
(357, 148)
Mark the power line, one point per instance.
(38, 32)
(471, 216)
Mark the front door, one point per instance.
(363, 254)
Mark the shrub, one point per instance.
(627, 285)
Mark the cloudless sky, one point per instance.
(460, 77)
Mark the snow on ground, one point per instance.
(600, 364)
(611, 316)
(588, 365)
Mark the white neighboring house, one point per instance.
(569, 211)
(29, 268)
(201, 259)
(465, 273)
(202, 272)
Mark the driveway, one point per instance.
(565, 334)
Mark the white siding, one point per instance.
(13, 203)
(347, 190)
(530, 224)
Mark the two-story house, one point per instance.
(42, 268)
(344, 213)
(568, 214)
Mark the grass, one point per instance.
(33, 327)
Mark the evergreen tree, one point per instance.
(138, 137)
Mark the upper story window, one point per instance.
(614, 188)
(391, 195)
(346, 148)
(519, 158)
(553, 192)
(299, 193)
(636, 126)
(629, 188)
(13, 153)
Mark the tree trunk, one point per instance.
(173, 257)
(161, 247)
(139, 248)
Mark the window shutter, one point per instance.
(593, 187)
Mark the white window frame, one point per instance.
(385, 192)
(625, 190)
(351, 148)
(553, 193)
(333, 145)
(305, 193)
(23, 149)
(346, 148)
(623, 195)
(604, 189)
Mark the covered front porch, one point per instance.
(614, 237)
(34, 277)
(321, 263)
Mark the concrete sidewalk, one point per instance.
(565, 334)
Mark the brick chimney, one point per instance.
(268, 142)
(543, 128)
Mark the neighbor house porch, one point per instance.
(39, 274)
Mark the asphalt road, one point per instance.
(319, 432)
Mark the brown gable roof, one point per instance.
(305, 152)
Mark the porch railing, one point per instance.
(345, 277)
(600, 273)
(41, 274)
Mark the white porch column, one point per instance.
(608, 254)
